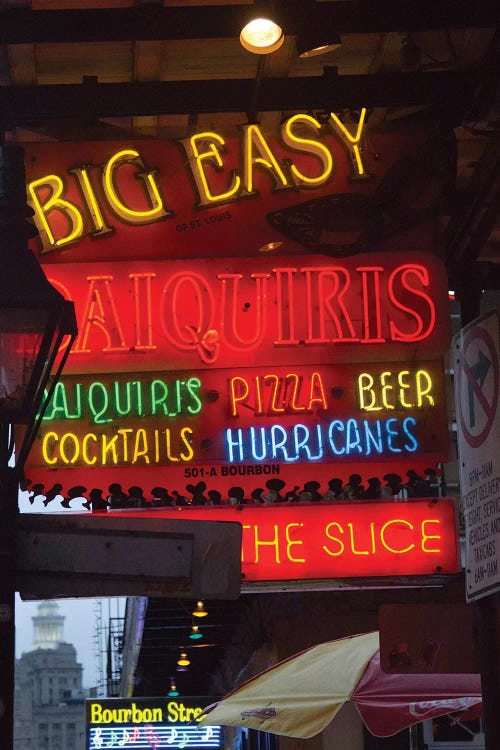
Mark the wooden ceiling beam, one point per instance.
(147, 67)
(155, 21)
(92, 100)
(22, 64)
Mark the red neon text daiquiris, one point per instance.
(402, 275)
(210, 316)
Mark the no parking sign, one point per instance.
(477, 376)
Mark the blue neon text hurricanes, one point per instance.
(348, 437)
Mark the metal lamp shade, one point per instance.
(24, 346)
(30, 340)
(313, 41)
(37, 325)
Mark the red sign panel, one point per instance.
(339, 541)
(313, 187)
(169, 315)
(183, 389)
(301, 415)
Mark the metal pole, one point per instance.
(488, 645)
(412, 738)
(9, 485)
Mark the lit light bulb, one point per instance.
(173, 692)
(195, 634)
(183, 660)
(200, 610)
(262, 36)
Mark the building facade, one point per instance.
(49, 701)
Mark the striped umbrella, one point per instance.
(300, 696)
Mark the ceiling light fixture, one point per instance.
(200, 610)
(262, 36)
(173, 692)
(183, 660)
(195, 634)
(317, 41)
(269, 247)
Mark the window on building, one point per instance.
(70, 736)
(57, 738)
(43, 736)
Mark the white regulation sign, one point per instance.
(477, 354)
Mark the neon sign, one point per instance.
(350, 437)
(403, 388)
(149, 722)
(205, 156)
(283, 542)
(230, 313)
(306, 186)
(124, 446)
(272, 394)
(217, 420)
(108, 401)
(174, 712)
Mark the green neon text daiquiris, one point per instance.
(104, 402)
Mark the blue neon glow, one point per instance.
(154, 737)
(356, 438)
(372, 439)
(279, 437)
(258, 455)
(232, 443)
(302, 444)
(413, 443)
